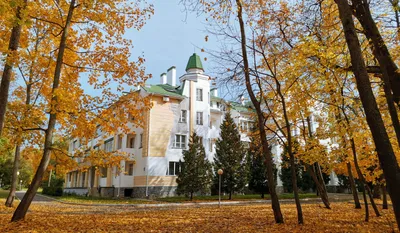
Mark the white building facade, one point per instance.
(155, 150)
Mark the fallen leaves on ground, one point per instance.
(56, 217)
(81, 200)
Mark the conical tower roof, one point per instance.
(194, 62)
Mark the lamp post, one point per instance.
(17, 179)
(220, 172)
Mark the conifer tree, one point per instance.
(258, 181)
(230, 157)
(196, 174)
(286, 174)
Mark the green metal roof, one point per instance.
(215, 98)
(164, 89)
(247, 107)
(194, 62)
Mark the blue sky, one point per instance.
(169, 38)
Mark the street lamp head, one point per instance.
(220, 172)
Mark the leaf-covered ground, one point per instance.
(99, 200)
(178, 199)
(56, 217)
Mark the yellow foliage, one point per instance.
(246, 218)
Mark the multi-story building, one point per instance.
(155, 149)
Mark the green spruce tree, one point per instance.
(196, 174)
(258, 168)
(306, 183)
(286, 174)
(230, 157)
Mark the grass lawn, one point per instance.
(234, 197)
(244, 218)
(3, 193)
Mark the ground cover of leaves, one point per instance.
(57, 217)
(87, 200)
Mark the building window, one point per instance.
(69, 177)
(199, 118)
(130, 141)
(182, 118)
(244, 126)
(218, 105)
(108, 145)
(75, 145)
(180, 141)
(119, 143)
(141, 141)
(98, 131)
(129, 168)
(200, 140)
(174, 168)
(199, 94)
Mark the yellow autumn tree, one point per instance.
(87, 50)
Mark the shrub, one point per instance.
(56, 187)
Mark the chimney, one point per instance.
(241, 99)
(171, 76)
(214, 92)
(163, 78)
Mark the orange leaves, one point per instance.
(245, 218)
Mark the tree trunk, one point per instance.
(300, 219)
(384, 198)
(14, 182)
(9, 63)
(353, 187)
(320, 189)
(318, 179)
(383, 146)
(366, 204)
(260, 120)
(361, 177)
(191, 196)
(379, 49)
(372, 200)
(23, 207)
(230, 195)
(262, 195)
(376, 191)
